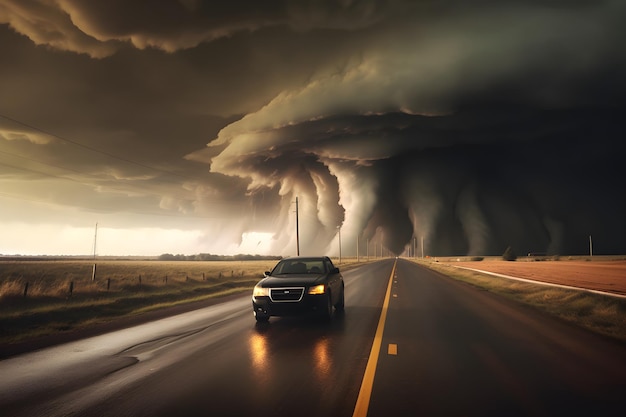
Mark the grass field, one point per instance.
(43, 297)
(598, 313)
(124, 288)
(53, 278)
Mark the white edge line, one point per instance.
(549, 284)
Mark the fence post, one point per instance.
(93, 273)
(139, 280)
(71, 288)
(25, 289)
(108, 284)
(203, 277)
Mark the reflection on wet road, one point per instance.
(153, 369)
(446, 349)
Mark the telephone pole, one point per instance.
(95, 242)
(339, 228)
(297, 230)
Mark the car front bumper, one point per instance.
(310, 304)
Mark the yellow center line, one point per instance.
(363, 400)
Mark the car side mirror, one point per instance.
(266, 273)
(335, 270)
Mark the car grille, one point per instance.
(286, 295)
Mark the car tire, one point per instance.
(261, 318)
(340, 306)
(327, 313)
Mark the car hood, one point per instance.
(293, 281)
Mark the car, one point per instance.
(299, 286)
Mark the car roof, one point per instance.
(309, 258)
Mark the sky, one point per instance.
(443, 128)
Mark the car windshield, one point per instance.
(299, 266)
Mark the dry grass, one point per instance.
(599, 313)
(53, 278)
(121, 288)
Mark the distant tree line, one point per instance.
(211, 257)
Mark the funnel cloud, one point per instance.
(435, 128)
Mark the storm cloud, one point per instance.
(462, 128)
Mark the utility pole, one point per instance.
(422, 246)
(339, 228)
(95, 242)
(297, 230)
(590, 246)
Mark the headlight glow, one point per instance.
(318, 289)
(260, 292)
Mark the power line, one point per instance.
(131, 187)
(96, 184)
(143, 189)
(143, 213)
(75, 143)
(41, 162)
(45, 174)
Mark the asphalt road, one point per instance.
(442, 348)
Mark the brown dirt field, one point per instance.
(609, 276)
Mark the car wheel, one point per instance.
(327, 314)
(342, 302)
(261, 318)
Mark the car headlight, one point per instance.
(318, 289)
(260, 291)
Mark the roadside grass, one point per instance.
(599, 313)
(34, 318)
(122, 288)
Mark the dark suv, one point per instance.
(299, 285)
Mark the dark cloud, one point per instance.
(472, 182)
(470, 127)
(99, 29)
